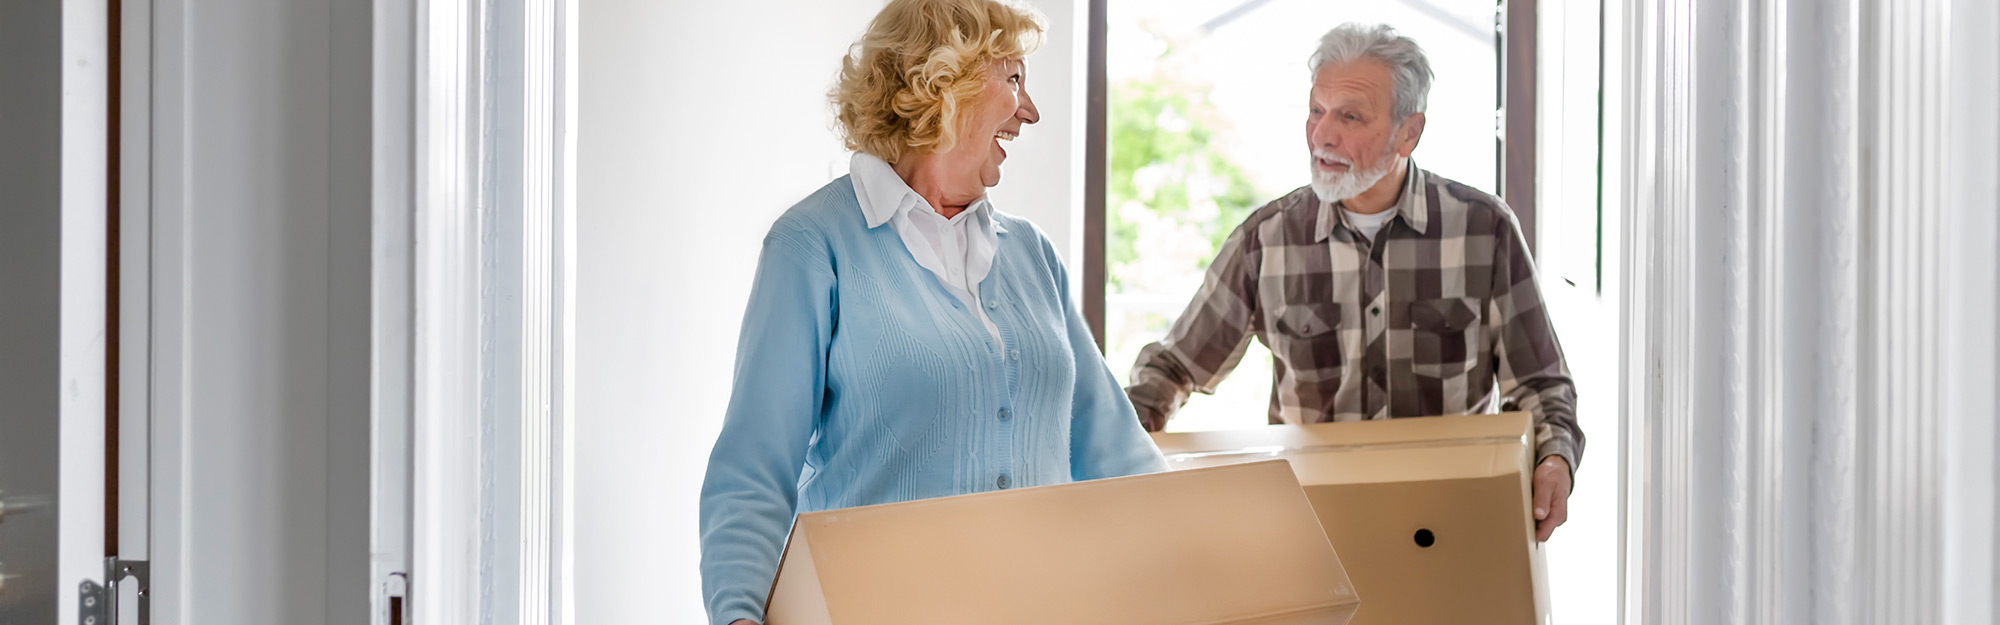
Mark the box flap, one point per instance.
(1410, 449)
(798, 582)
(1233, 544)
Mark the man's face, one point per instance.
(1351, 132)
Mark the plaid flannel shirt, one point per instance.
(1439, 315)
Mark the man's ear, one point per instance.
(1412, 132)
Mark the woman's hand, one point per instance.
(744, 621)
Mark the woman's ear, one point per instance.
(1412, 132)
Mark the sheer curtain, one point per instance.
(1809, 280)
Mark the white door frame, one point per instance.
(85, 252)
(260, 219)
(53, 416)
(1971, 262)
(186, 195)
(469, 248)
(392, 319)
(491, 106)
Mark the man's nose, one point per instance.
(1322, 135)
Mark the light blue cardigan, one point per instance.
(860, 380)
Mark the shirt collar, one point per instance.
(1411, 204)
(883, 195)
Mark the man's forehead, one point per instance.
(1364, 80)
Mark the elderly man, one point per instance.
(1383, 290)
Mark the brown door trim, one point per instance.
(1518, 82)
(1095, 161)
(112, 177)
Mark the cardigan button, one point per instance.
(1003, 482)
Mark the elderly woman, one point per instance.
(904, 338)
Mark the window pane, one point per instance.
(1207, 122)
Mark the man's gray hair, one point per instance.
(1406, 60)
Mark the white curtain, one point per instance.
(1807, 192)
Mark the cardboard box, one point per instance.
(1431, 516)
(1223, 545)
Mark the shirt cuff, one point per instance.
(1156, 395)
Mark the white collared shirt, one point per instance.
(959, 251)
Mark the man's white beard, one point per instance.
(1334, 186)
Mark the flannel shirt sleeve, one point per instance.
(1529, 364)
(1208, 340)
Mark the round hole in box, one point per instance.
(1425, 538)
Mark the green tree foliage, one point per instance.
(1163, 160)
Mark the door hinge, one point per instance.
(98, 605)
(398, 592)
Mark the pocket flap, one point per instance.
(1450, 314)
(1309, 320)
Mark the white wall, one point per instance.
(699, 123)
(1043, 177)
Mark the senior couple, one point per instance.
(905, 338)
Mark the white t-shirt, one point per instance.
(1369, 224)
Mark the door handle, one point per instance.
(18, 504)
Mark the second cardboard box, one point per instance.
(1430, 515)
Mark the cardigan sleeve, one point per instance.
(1106, 439)
(750, 493)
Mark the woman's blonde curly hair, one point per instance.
(922, 62)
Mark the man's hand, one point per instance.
(1551, 496)
(1152, 421)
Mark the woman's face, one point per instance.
(1003, 107)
